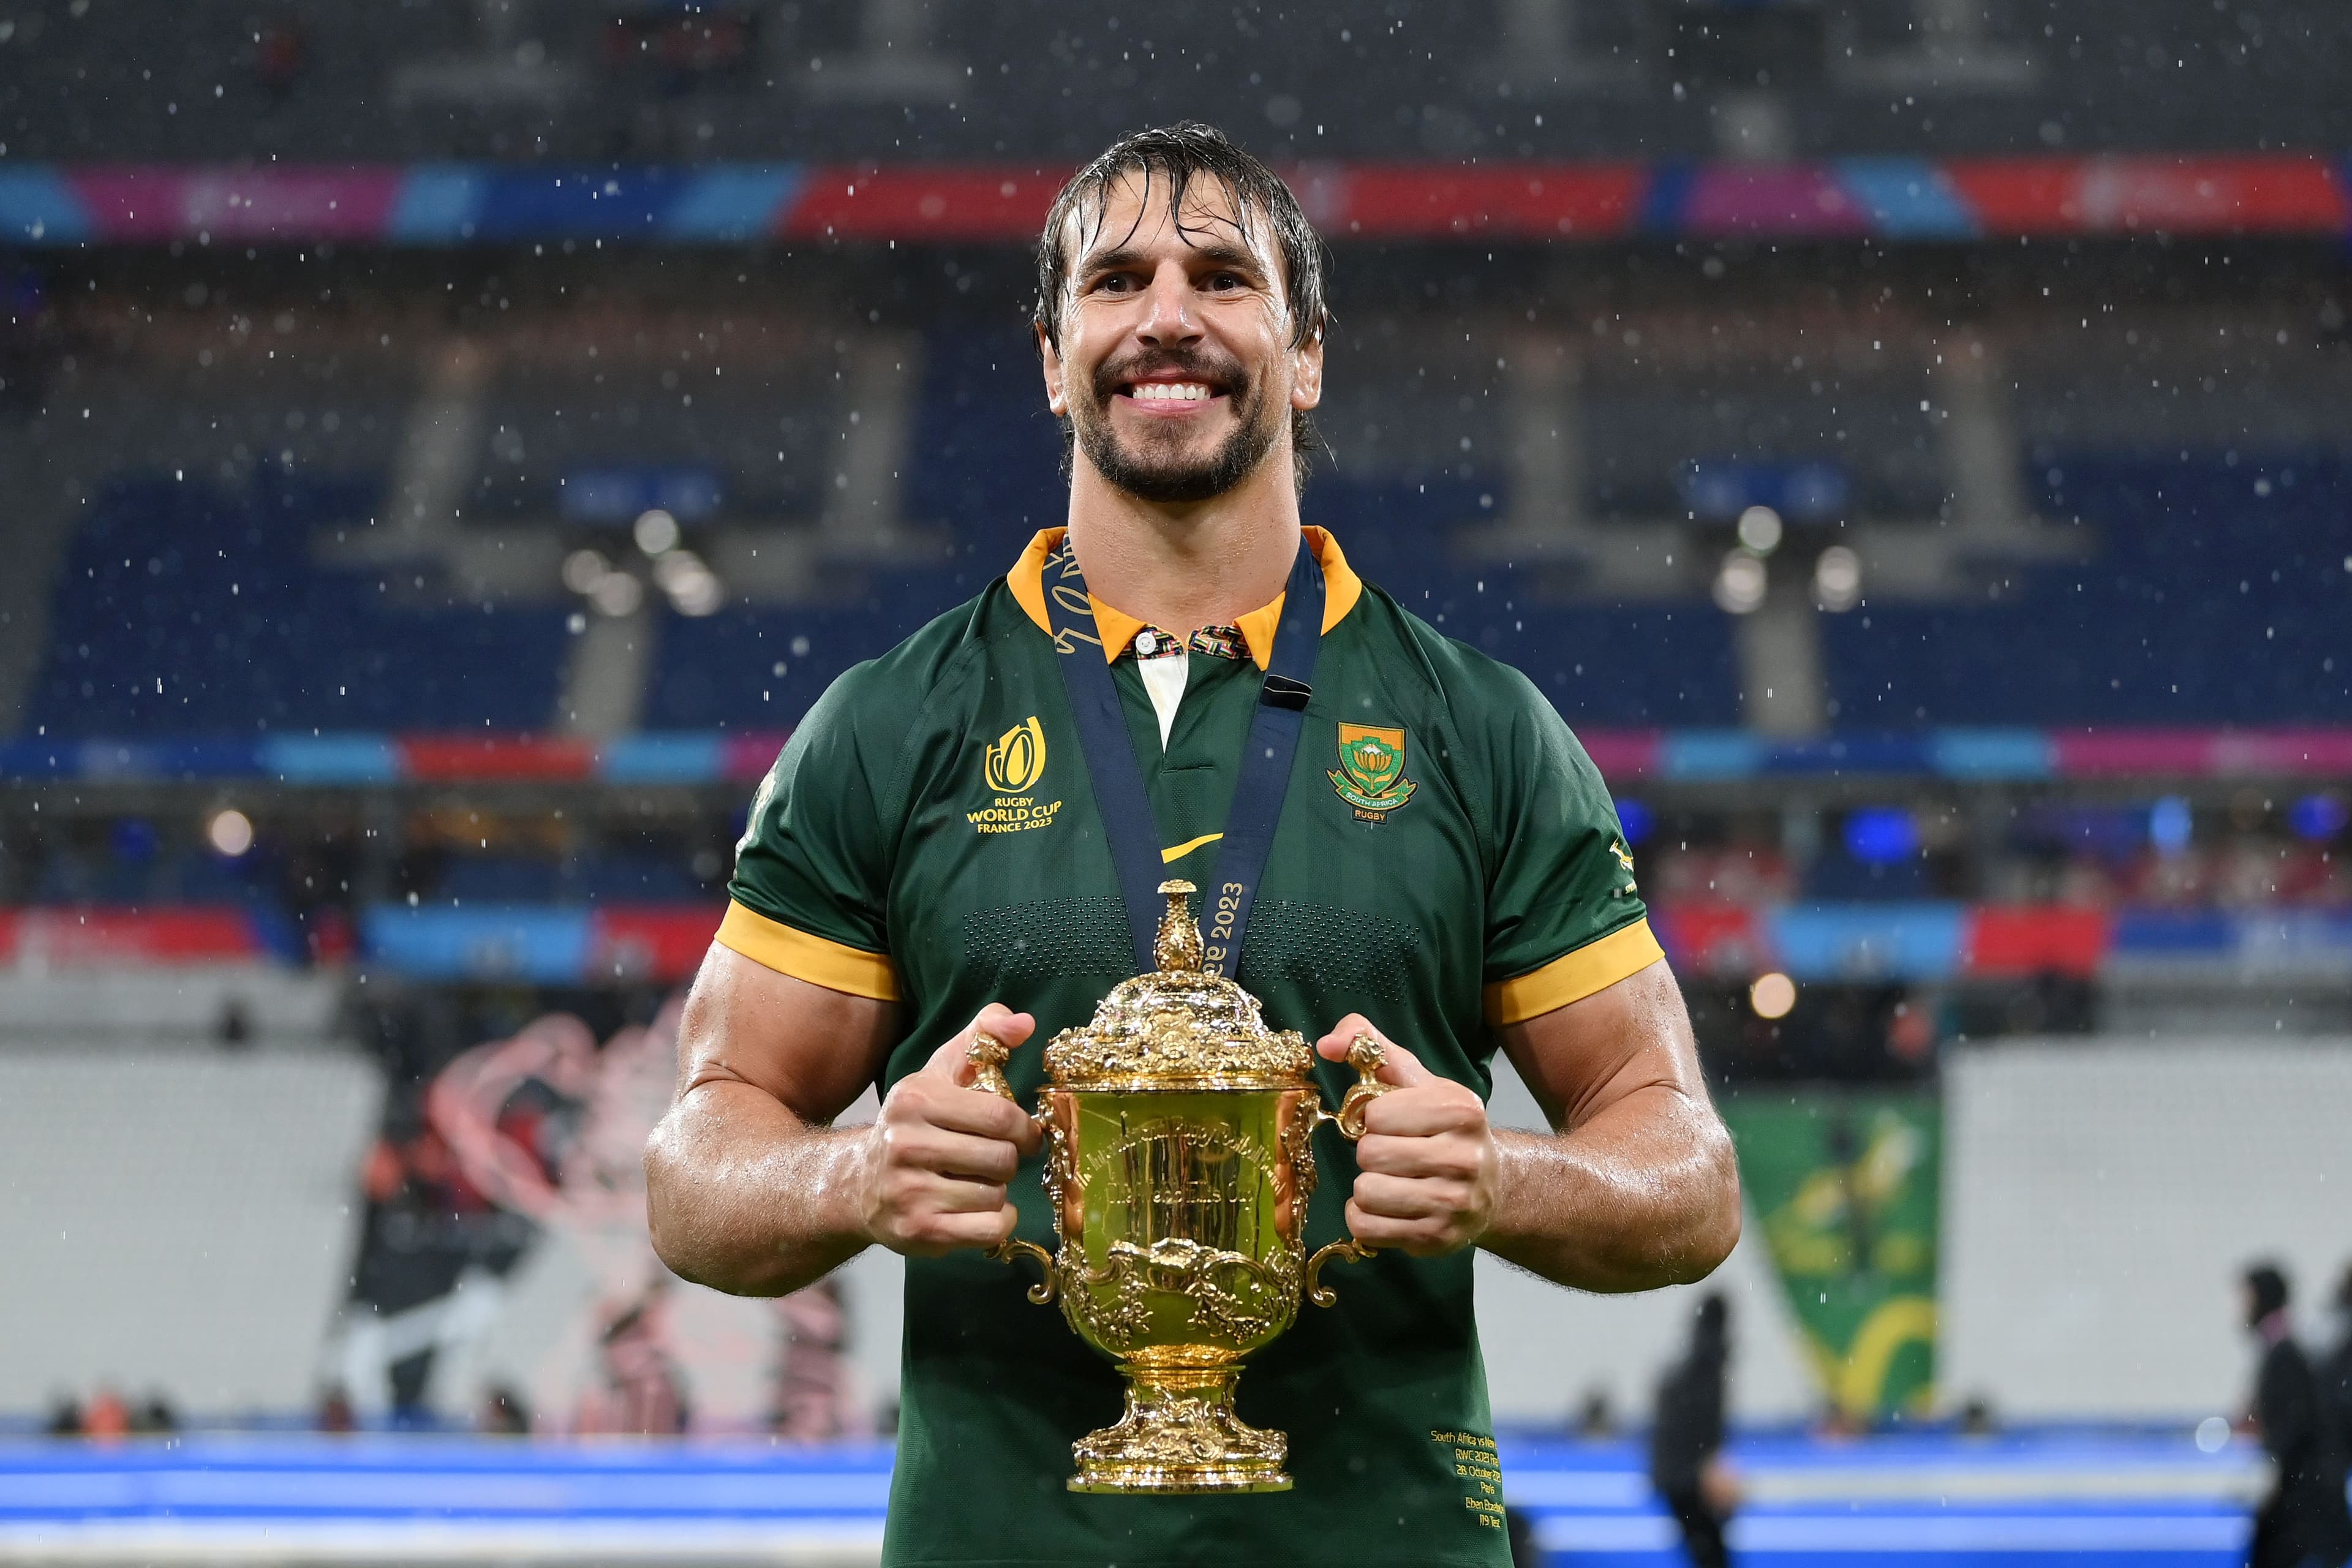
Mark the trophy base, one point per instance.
(1179, 1434)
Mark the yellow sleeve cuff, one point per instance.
(1574, 976)
(830, 965)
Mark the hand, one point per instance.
(939, 1154)
(1427, 1158)
(1718, 1485)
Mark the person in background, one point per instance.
(107, 1416)
(2335, 1370)
(336, 1415)
(1687, 1440)
(2303, 1522)
(503, 1413)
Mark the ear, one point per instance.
(1051, 361)
(1307, 374)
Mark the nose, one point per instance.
(1169, 318)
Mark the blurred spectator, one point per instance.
(1596, 1422)
(2335, 1370)
(2304, 1521)
(812, 1379)
(1686, 1441)
(504, 1414)
(643, 1395)
(1977, 1418)
(156, 1418)
(335, 1411)
(1527, 1552)
(106, 1417)
(235, 1025)
(281, 48)
(65, 1416)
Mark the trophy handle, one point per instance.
(987, 1054)
(1365, 1054)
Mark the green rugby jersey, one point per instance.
(1447, 860)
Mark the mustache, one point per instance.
(1223, 374)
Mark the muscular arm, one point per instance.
(1633, 1189)
(1636, 1187)
(748, 1187)
(751, 1189)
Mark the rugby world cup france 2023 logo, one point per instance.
(1370, 774)
(1011, 768)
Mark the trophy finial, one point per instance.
(1177, 947)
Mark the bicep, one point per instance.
(814, 1050)
(1580, 1059)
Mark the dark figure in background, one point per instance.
(2335, 1370)
(2303, 1522)
(1685, 1444)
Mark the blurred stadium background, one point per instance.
(448, 445)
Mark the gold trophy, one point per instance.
(1178, 1161)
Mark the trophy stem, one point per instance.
(1179, 1434)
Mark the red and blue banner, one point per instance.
(1892, 199)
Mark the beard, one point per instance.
(1155, 468)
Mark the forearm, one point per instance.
(745, 1197)
(1645, 1193)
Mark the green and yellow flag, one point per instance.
(1846, 1188)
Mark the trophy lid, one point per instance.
(1179, 1028)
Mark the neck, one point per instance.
(1184, 566)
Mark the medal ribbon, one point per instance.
(1259, 785)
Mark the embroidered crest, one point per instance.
(1370, 774)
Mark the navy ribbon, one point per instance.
(1259, 785)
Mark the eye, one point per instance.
(1113, 283)
(1226, 282)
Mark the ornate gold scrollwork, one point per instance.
(987, 1054)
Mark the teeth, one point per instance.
(1170, 392)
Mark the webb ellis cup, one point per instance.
(1177, 1160)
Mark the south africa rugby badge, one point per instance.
(1370, 774)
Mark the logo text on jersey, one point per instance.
(1011, 768)
(1370, 774)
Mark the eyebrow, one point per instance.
(1216, 255)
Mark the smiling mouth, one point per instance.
(1170, 394)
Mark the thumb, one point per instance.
(954, 1056)
(1398, 1066)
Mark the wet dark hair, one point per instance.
(1176, 156)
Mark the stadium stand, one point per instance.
(153, 634)
(2217, 594)
(840, 78)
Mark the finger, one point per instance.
(1333, 1046)
(923, 1193)
(1400, 1198)
(1426, 1111)
(954, 1057)
(1398, 1066)
(1417, 1237)
(1416, 1159)
(1401, 1068)
(937, 1233)
(961, 1110)
(963, 1155)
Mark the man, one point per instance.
(2303, 1522)
(1687, 1440)
(950, 843)
(2336, 1367)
